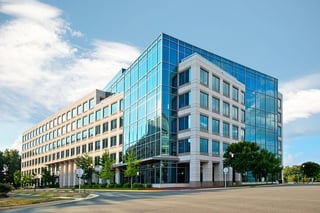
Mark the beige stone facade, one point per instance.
(90, 125)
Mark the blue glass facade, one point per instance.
(150, 100)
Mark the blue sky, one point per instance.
(54, 52)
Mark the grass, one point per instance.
(20, 197)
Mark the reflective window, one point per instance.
(279, 117)
(215, 83)
(114, 108)
(226, 129)
(90, 147)
(121, 105)
(91, 103)
(105, 111)
(184, 100)
(203, 145)
(91, 118)
(242, 134)
(105, 127)
(215, 104)
(97, 145)
(98, 114)
(84, 134)
(105, 143)
(184, 77)
(113, 141)
(215, 126)
(204, 77)
(85, 106)
(204, 100)
(79, 123)
(215, 147)
(184, 145)
(226, 89)
(79, 109)
(234, 113)
(114, 124)
(203, 122)
(242, 97)
(226, 109)
(224, 148)
(235, 94)
(85, 120)
(97, 130)
(235, 132)
(91, 132)
(184, 122)
(120, 139)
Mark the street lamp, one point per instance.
(303, 173)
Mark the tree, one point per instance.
(107, 172)
(10, 162)
(26, 180)
(310, 169)
(17, 178)
(85, 162)
(132, 163)
(241, 156)
(47, 179)
(266, 164)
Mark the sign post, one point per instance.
(79, 173)
(225, 171)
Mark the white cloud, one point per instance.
(41, 70)
(301, 98)
(292, 159)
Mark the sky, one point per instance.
(54, 52)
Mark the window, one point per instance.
(121, 122)
(114, 124)
(78, 150)
(234, 112)
(235, 94)
(90, 147)
(84, 134)
(114, 108)
(226, 129)
(97, 130)
(279, 117)
(215, 126)
(204, 77)
(203, 122)
(184, 77)
(78, 136)
(226, 109)
(91, 118)
(84, 148)
(235, 132)
(97, 145)
(91, 103)
(91, 132)
(184, 122)
(121, 105)
(215, 147)
(242, 116)
(113, 141)
(242, 134)
(79, 123)
(226, 89)
(215, 105)
(225, 147)
(85, 106)
(204, 100)
(203, 145)
(184, 99)
(85, 120)
(215, 83)
(120, 139)
(105, 127)
(79, 110)
(242, 97)
(279, 104)
(279, 131)
(105, 143)
(72, 151)
(184, 145)
(105, 111)
(98, 115)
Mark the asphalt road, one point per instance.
(285, 198)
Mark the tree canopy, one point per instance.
(85, 162)
(248, 156)
(107, 172)
(310, 169)
(132, 163)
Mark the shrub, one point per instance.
(118, 185)
(111, 185)
(126, 185)
(149, 185)
(138, 185)
(5, 188)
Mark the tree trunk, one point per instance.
(131, 182)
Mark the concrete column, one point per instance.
(117, 176)
(195, 172)
(207, 174)
(218, 174)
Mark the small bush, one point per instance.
(111, 185)
(138, 185)
(5, 188)
(118, 185)
(126, 185)
(149, 185)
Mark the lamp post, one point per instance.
(303, 173)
